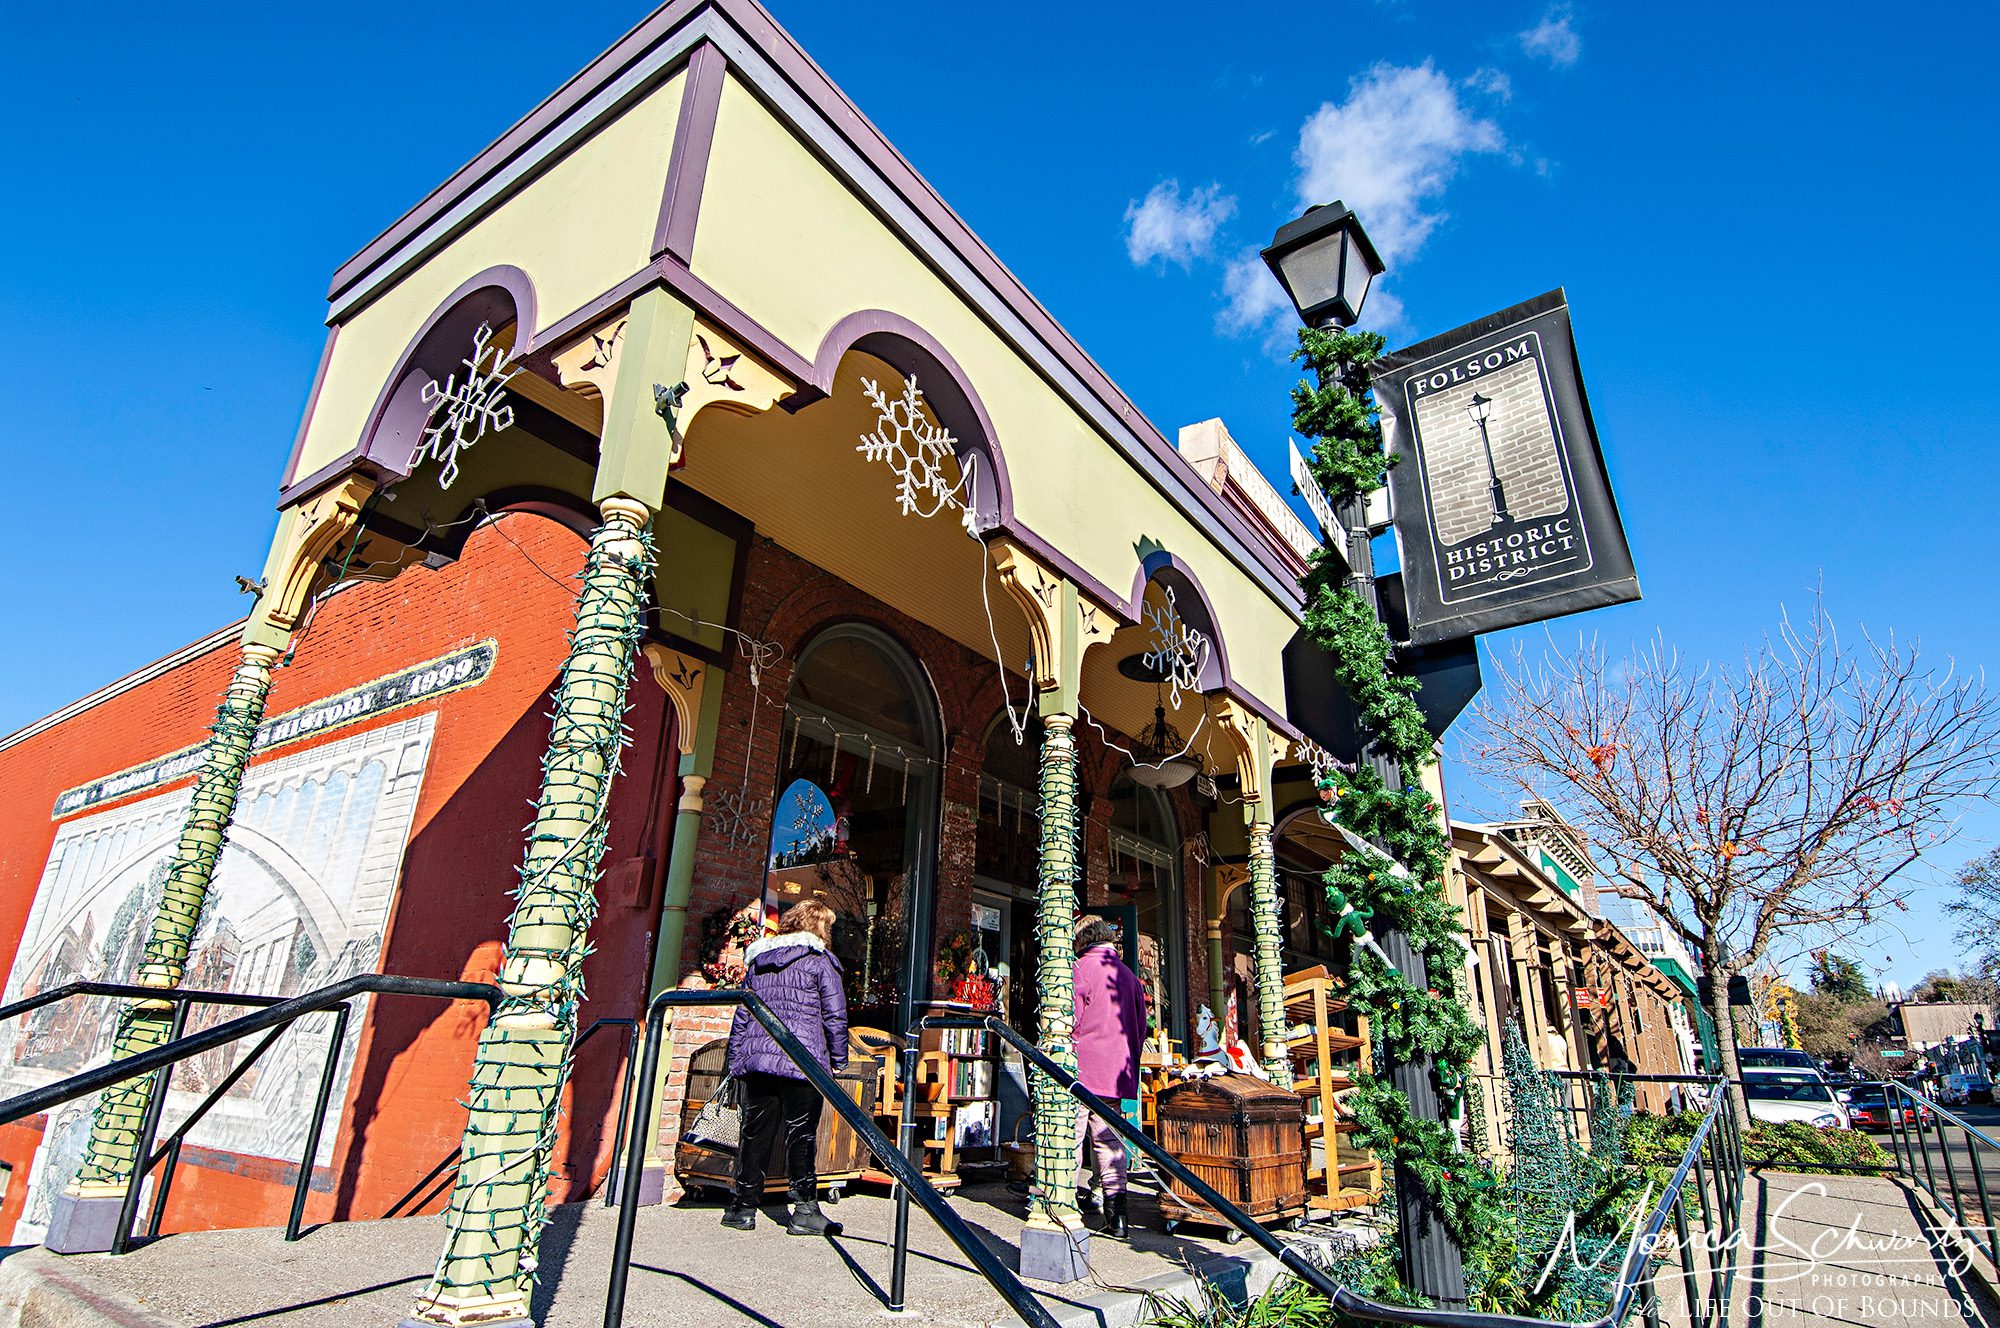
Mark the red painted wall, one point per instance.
(465, 845)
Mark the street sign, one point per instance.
(1503, 511)
(1309, 489)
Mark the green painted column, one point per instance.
(1055, 932)
(114, 1132)
(1267, 916)
(499, 1203)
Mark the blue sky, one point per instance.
(1773, 222)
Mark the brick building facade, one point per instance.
(401, 1115)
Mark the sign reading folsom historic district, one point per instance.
(464, 667)
(1503, 512)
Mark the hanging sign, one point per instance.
(464, 667)
(1503, 512)
(1593, 998)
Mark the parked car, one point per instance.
(1793, 1095)
(1869, 1107)
(1960, 1089)
(1775, 1058)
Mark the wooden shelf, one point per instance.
(1344, 1176)
(1309, 1043)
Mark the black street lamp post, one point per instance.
(1478, 409)
(1326, 264)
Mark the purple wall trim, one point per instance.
(914, 351)
(519, 140)
(1168, 569)
(774, 66)
(498, 295)
(1045, 344)
(754, 337)
(312, 401)
(687, 167)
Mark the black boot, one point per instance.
(741, 1215)
(807, 1220)
(1114, 1216)
(807, 1217)
(1086, 1201)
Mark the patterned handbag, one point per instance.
(719, 1123)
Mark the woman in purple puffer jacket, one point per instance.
(796, 974)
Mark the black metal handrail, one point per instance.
(906, 1173)
(1923, 1108)
(1634, 1282)
(270, 1013)
(170, 995)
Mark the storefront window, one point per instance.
(1145, 877)
(854, 821)
(1010, 822)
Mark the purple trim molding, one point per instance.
(312, 402)
(910, 349)
(687, 166)
(521, 139)
(1168, 569)
(499, 295)
(754, 337)
(773, 64)
(396, 422)
(1036, 333)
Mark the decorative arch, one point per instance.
(910, 350)
(498, 296)
(1194, 607)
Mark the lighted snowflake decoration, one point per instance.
(916, 448)
(736, 817)
(1178, 651)
(463, 413)
(1319, 758)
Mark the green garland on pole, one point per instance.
(1348, 461)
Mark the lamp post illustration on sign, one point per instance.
(1503, 511)
(1479, 408)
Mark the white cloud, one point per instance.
(1389, 150)
(1164, 225)
(1553, 39)
(1254, 302)
(1493, 82)
(1252, 297)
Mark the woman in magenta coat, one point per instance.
(1110, 1028)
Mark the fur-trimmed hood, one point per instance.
(803, 941)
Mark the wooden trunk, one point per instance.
(1243, 1137)
(842, 1155)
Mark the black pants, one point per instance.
(771, 1100)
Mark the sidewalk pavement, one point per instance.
(1837, 1251)
(687, 1271)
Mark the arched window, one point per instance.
(855, 813)
(1010, 818)
(1305, 847)
(1146, 895)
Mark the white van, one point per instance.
(1793, 1095)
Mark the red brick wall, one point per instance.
(465, 845)
(466, 841)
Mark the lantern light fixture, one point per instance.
(1326, 263)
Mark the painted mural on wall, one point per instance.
(300, 900)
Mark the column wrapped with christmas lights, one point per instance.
(114, 1131)
(1268, 920)
(1055, 932)
(499, 1203)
